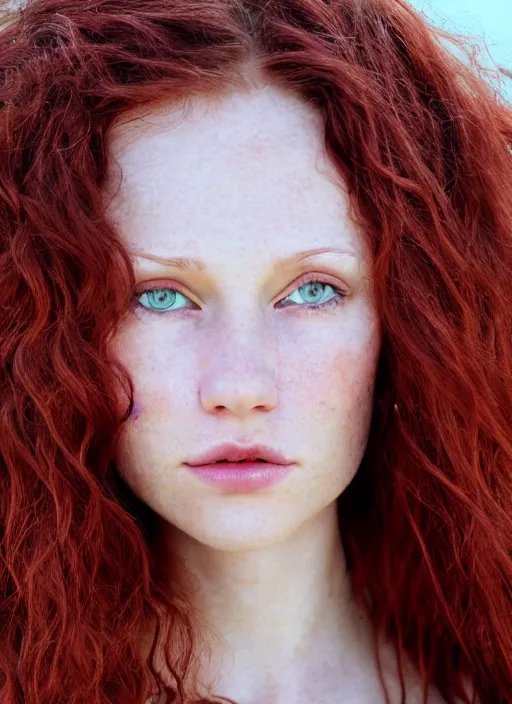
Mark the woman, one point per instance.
(256, 379)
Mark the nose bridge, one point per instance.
(239, 373)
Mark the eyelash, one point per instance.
(331, 304)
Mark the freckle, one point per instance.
(136, 411)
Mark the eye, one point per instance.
(160, 299)
(313, 294)
(323, 293)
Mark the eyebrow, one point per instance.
(189, 264)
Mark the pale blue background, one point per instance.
(490, 19)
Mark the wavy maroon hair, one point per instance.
(424, 143)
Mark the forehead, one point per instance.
(246, 169)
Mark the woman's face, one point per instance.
(236, 351)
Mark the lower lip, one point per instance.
(234, 477)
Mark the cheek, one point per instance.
(352, 392)
(341, 378)
(355, 372)
(159, 379)
(348, 403)
(342, 393)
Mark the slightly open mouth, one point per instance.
(238, 461)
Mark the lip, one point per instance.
(234, 452)
(236, 478)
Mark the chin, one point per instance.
(237, 529)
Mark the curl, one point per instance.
(424, 144)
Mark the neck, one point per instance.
(287, 608)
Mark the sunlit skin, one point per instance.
(237, 352)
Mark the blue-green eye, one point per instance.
(159, 299)
(316, 290)
(162, 300)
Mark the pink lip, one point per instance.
(239, 478)
(233, 452)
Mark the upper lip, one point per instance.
(233, 453)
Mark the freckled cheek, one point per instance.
(337, 378)
(164, 393)
(159, 381)
(355, 372)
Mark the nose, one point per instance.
(240, 375)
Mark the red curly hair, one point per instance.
(424, 143)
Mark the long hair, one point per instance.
(423, 142)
